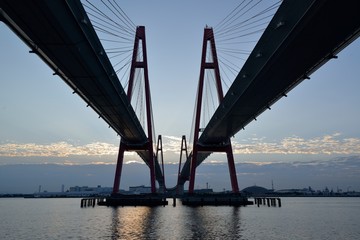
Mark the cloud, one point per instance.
(59, 149)
(260, 163)
(171, 144)
(332, 144)
(134, 161)
(327, 144)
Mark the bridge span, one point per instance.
(61, 34)
(300, 38)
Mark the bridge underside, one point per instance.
(301, 37)
(60, 33)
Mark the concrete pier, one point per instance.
(135, 200)
(215, 200)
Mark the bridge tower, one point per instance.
(214, 65)
(180, 187)
(139, 63)
(159, 148)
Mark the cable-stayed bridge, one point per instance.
(300, 38)
(61, 33)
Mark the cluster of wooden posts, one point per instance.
(270, 201)
(90, 202)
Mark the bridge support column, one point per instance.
(220, 147)
(141, 63)
(230, 159)
(159, 148)
(193, 170)
(152, 168)
(118, 168)
(232, 170)
(180, 187)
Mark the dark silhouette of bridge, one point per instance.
(61, 34)
(300, 38)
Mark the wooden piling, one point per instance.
(88, 202)
(270, 201)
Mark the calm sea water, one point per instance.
(298, 218)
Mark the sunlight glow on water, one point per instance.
(298, 218)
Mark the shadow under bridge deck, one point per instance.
(61, 34)
(301, 37)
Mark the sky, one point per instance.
(42, 121)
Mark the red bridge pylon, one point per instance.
(209, 38)
(138, 63)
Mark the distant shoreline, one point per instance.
(32, 196)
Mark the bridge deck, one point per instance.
(301, 37)
(62, 35)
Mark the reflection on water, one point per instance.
(130, 223)
(178, 223)
(298, 218)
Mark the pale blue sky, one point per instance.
(39, 115)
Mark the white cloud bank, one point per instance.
(59, 149)
(328, 144)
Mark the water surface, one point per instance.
(298, 218)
